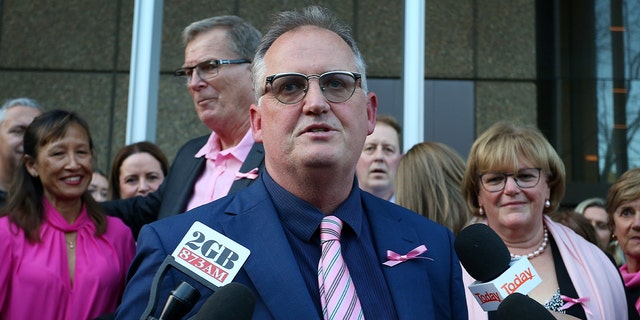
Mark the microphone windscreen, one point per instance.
(522, 307)
(481, 251)
(233, 301)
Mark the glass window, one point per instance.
(589, 89)
(617, 26)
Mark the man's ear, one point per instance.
(256, 122)
(372, 109)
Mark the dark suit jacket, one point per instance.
(173, 195)
(420, 288)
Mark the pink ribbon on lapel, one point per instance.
(395, 258)
(253, 174)
(571, 301)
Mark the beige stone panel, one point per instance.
(125, 35)
(506, 39)
(177, 118)
(87, 94)
(449, 42)
(505, 101)
(380, 36)
(58, 34)
(260, 13)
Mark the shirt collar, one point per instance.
(57, 220)
(211, 149)
(303, 219)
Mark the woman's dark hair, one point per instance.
(124, 153)
(24, 203)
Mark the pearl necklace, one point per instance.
(538, 251)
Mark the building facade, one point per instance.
(568, 67)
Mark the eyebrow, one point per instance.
(197, 63)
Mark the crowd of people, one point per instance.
(299, 169)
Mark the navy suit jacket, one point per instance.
(420, 288)
(173, 195)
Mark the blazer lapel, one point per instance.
(407, 281)
(178, 194)
(271, 264)
(184, 172)
(255, 159)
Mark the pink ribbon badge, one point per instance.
(253, 174)
(571, 301)
(395, 258)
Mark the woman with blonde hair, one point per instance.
(515, 179)
(595, 210)
(623, 207)
(428, 182)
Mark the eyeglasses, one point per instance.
(206, 70)
(524, 178)
(336, 86)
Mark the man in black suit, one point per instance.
(217, 73)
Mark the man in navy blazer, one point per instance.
(217, 73)
(313, 115)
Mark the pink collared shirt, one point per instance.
(220, 169)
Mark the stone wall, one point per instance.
(75, 54)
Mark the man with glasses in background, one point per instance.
(320, 247)
(217, 73)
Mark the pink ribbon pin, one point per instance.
(395, 258)
(571, 301)
(253, 174)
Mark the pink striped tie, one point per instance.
(337, 292)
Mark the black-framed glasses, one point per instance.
(292, 87)
(524, 178)
(206, 70)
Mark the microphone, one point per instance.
(180, 302)
(482, 253)
(486, 258)
(522, 307)
(233, 301)
(203, 255)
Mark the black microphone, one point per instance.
(487, 259)
(233, 301)
(180, 302)
(203, 255)
(482, 252)
(522, 307)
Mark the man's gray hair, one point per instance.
(22, 102)
(243, 37)
(289, 20)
